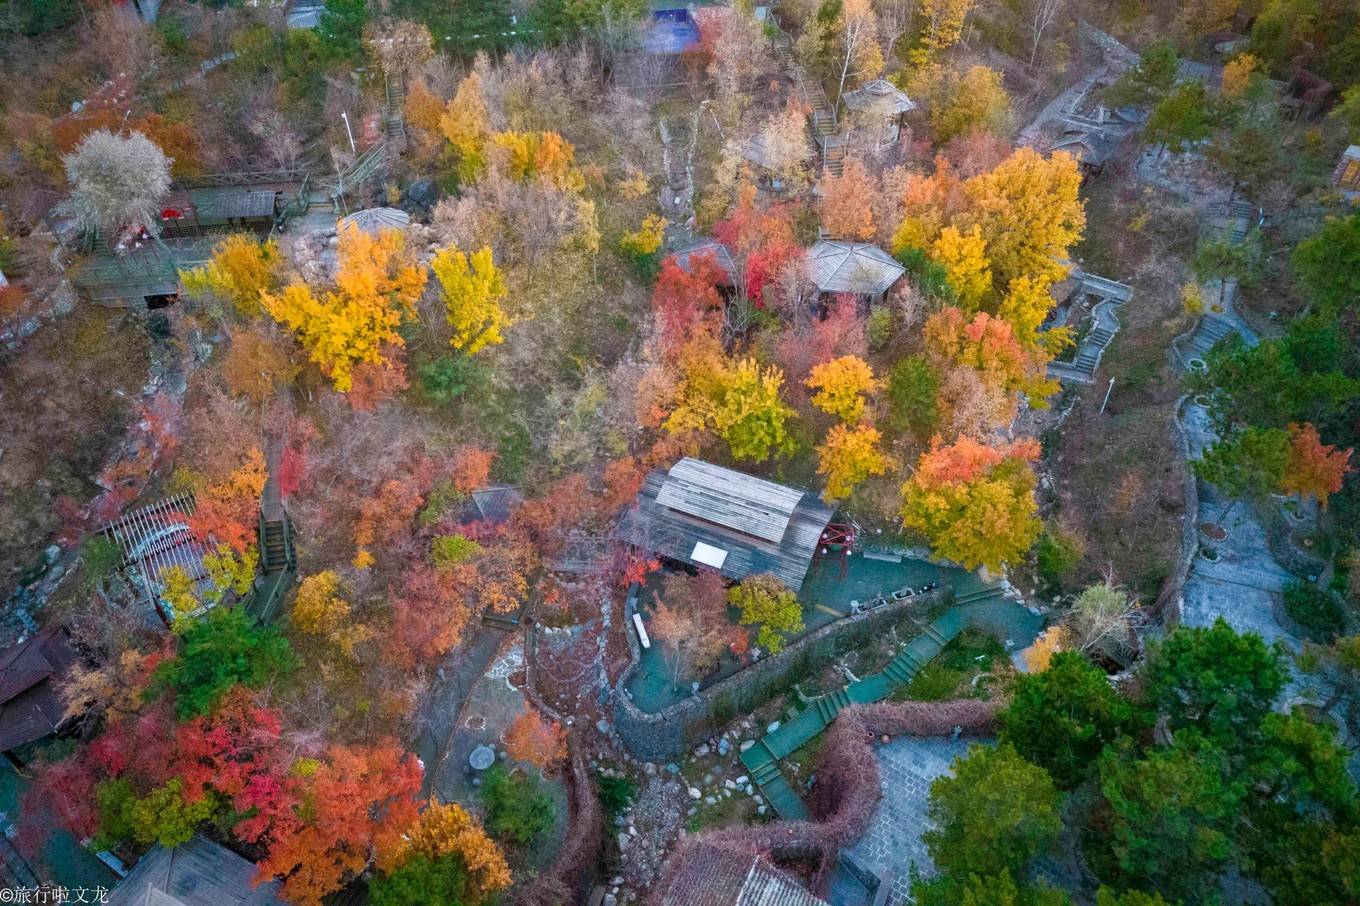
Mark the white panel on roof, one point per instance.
(708, 555)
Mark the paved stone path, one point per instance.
(892, 844)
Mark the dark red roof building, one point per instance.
(30, 707)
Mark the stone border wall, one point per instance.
(670, 732)
(1168, 603)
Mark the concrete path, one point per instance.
(438, 743)
(1243, 585)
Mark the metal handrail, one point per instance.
(242, 178)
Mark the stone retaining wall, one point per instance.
(1168, 603)
(668, 733)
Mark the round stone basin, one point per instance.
(482, 758)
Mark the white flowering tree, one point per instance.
(117, 181)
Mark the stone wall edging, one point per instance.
(668, 733)
(1168, 603)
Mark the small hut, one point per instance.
(702, 514)
(157, 539)
(377, 220)
(1092, 148)
(883, 101)
(857, 268)
(713, 876)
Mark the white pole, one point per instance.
(1108, 391)
(350, 133)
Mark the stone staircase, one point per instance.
(679, 137)
(356, 175)
(1210, 329)
(822, 115)
(1092, 348)
(1106, 297)
(762, 759)
(1242, 216)
(394, 113)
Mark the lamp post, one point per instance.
(344, 116)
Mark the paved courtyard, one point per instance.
(892, 843)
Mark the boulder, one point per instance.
(423, 192)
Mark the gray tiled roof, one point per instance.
(760, 526)
(852, 267)
(199, 873)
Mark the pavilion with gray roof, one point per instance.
(198, 873)
(858, 268)
(703, 514)
(880, 94)
(883, 100)
(705, 245)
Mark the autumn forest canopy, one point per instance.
(357, 364)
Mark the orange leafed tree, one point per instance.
(754, 233)
(372, 383)
(227, 509)
(385, 518)
(988, 345)
(847, 201)
(541, 743)
(351, 806)
(929, 203)
(1313, 469)
(966, 459)
(448, 831)
(974, 504)
(471, 468)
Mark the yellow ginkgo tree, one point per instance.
(376, 287)
(848, 457)
(843, 386)
(473, 290)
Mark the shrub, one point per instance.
(615, 795)
(518, 809)
(1315, 609)
(449, 378)
(928, 276)
(218, 651)
(880, 327)
(934, 683)
(641, 248)
(913, 387)
(450, 550)
(422, 880)
(1056, 554)
(441, 500)
(764, 600)
(100, 558)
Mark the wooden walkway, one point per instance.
(762, 759)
